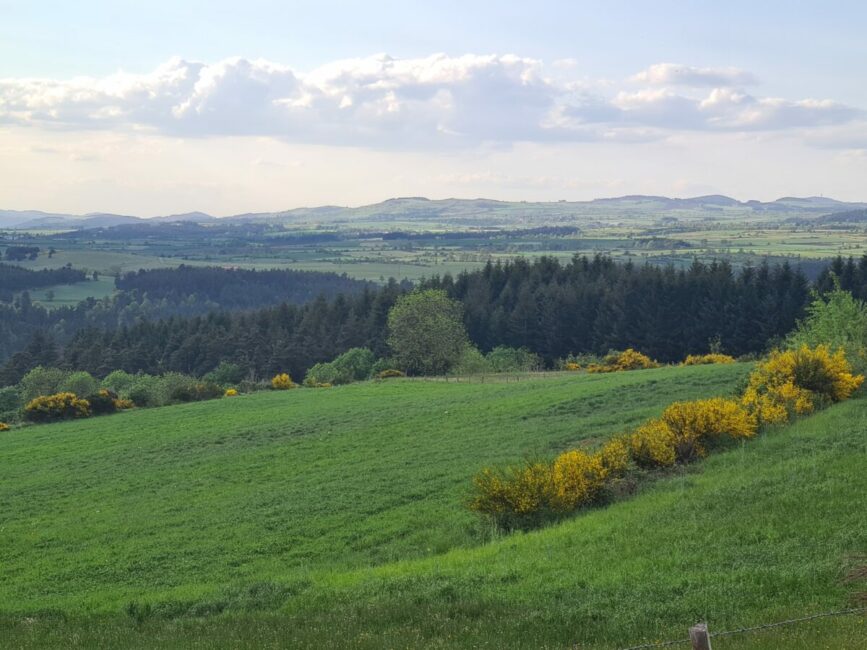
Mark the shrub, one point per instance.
(471, 362)
(796, 382)
(60, 406)
(837, 320)
(10, 403)
(614, 455)
(629, 359)
(696, 423)
(704, 359)
(80, 383)
(4, 426)
(514, 497)
(122, 404)
(230, 392)
(653, 445)
(102, 402)
(118, 381)
(41, 381)
(147, 390)
(571, 366)
(225, 374)
(195, 391)
(320, 373)
(577, 477)
(389, 373)
(506, 359)
(282, 382)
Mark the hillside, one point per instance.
(342, 509)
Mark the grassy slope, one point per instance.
(349, 499)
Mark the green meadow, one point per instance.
(335, 518)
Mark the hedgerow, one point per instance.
(628, 359)
(787, 383)
(60, 406)
(704, 359)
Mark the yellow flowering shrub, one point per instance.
(231, 392)
(389, 373)
(515, 497)
(4, 426)
(60, 406)
(571, 366)
(629, 359)
(697, 422)
(614, 455)
(703, 359)
(796, 382)
(576, 478)
(653, 445)
(122, 404)
(282, 381)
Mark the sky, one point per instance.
(157, 107)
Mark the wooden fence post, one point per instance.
(699, 637)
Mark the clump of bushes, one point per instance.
(103, 402)
(705, 359)
(4, 426)
(571, 366)
(787, 383)
(231, 392)
(524, 496)
(355, 364)
(628, 359)
(796, 382)
(683, 431)
(282, 381)
(390, 373)
(60, 406)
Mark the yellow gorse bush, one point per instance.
(629, 359)
(230, 392)
(571, 366)
(703, 359)
(684, 429)
(653, 445)
(56, 407)
(797, 382)
(521, 496)
(282, 381)
(4, 426)
(576, 478)
(791, 382)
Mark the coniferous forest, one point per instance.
(189, 320)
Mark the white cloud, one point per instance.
(416, 104)
(675, 74)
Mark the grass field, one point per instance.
(334, 518)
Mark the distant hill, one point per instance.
(846, 217)
(468, 212)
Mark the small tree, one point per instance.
(836, 320)
(426, 332)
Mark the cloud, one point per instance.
(381, 102)
(675, 74)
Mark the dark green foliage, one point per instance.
(352, 365)
(426, 333)
(226, 374)
(102, 402)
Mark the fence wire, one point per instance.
(755, 628)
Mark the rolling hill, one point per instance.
(334, 519)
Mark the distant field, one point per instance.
(334, 518)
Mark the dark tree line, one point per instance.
(554, 309)
(594, 305)
(231, 289)
(156, 295)
(15, 278)
(851, 274)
